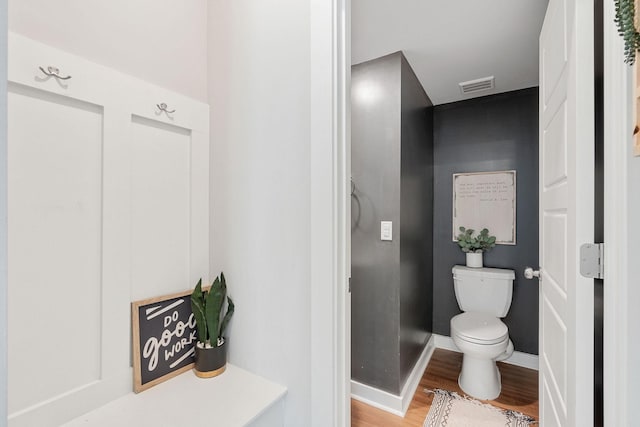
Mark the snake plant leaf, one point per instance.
(197, 307)
(213, 306)
(225, 321)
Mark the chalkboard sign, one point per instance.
(164, 339)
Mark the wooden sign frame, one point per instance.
(181, 327)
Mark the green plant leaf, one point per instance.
(625, 14)
(480, 243)
(213, 306)
(197, 307)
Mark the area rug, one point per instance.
(449, 409)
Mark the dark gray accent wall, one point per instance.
(416, 220)
(498, 132)
(391, 280)
(375, 265)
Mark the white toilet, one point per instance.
(484, 295)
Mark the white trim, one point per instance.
(330, 343)
(617, 139)
(377, 398)
(3, 213)
(524, 360)
(445, 342)
(389, 402)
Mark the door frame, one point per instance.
(334, 108)
(618, 108)
(330, 75)
(4, 284)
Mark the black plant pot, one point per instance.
(211, 362)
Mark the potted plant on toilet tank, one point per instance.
(474, 246)
(207, 307)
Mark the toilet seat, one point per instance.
(479, 328)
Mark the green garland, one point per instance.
(625, 19)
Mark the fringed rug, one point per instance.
(449, 409)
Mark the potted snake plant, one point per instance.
(474, 246)
(208, 308)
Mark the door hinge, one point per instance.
(349, 285)
(592, 260)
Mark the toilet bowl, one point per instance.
(482, 339)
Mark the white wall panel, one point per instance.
(160, 208)
(55, 244)
(109, 200)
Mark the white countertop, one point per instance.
(234, 398)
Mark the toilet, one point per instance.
(484, 296)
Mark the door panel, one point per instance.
(548, 412)
(566, 213)
(554, 163)
(554, 59)
(555, 264)
(555, 356)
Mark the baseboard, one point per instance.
(518, 358)
(412, 382)
(389, 402)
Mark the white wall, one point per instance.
(259, 94)
(633, 290)
(161, 41)
(260, 97)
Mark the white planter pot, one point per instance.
(474, 259)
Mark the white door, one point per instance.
(566, 213)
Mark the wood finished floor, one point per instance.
(519, 393)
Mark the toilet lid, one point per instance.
(479, 328)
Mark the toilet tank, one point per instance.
(486, 290)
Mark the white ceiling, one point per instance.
(451, 41)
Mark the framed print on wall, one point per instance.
(486, 200)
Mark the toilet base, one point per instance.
(480, 378)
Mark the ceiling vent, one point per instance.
(478, 85)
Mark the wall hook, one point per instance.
(54, 72)
(163, 107)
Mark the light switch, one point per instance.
(386, 230)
